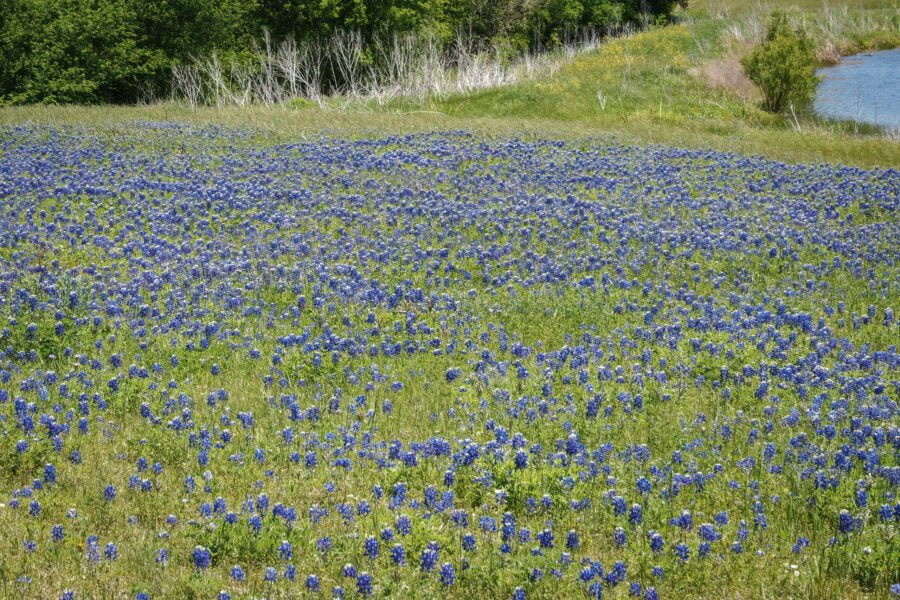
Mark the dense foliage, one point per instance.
(783, 67)
(439, 366)
(123, 50)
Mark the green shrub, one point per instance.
(783, 67)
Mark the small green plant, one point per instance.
(783, 67)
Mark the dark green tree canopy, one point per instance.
(120, 51)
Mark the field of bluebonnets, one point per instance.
(441, 365)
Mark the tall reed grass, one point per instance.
(345, 68)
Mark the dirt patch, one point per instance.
(726, 74)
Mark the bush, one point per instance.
(783, 67)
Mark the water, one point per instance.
(864, 87)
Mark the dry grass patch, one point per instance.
(726, 74)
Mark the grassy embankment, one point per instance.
(679, 85)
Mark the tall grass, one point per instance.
(345, 68)
(837, 31)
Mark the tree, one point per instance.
(783, 67)
(71, 51)
(120, 51)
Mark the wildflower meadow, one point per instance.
(442, 366)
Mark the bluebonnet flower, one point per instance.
(93, 549)
(202, 557)
(49, 473)
(468, 542)
(285, 550)
(847, 522)
(743, 532)
(656, 541)
(428, 559)
(708, 532)
(398, 554)
(448, 574)
(800, 544)
(403, 525)
(616, 575)
(254, 521)
(488, 524)
(545, 538)
(685, 521)
(521, 459)
(636, 514)
(371, 547)
(364, 584)
(703, 549)
(324, 544)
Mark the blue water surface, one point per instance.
(863, 87)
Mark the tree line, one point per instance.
(123, 51)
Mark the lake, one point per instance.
(863, 87)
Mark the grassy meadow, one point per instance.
(610, 333)
(679, 85)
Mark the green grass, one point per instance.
(654, 94)
(651, 88)
(538, 314)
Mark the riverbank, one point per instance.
(838, 30)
